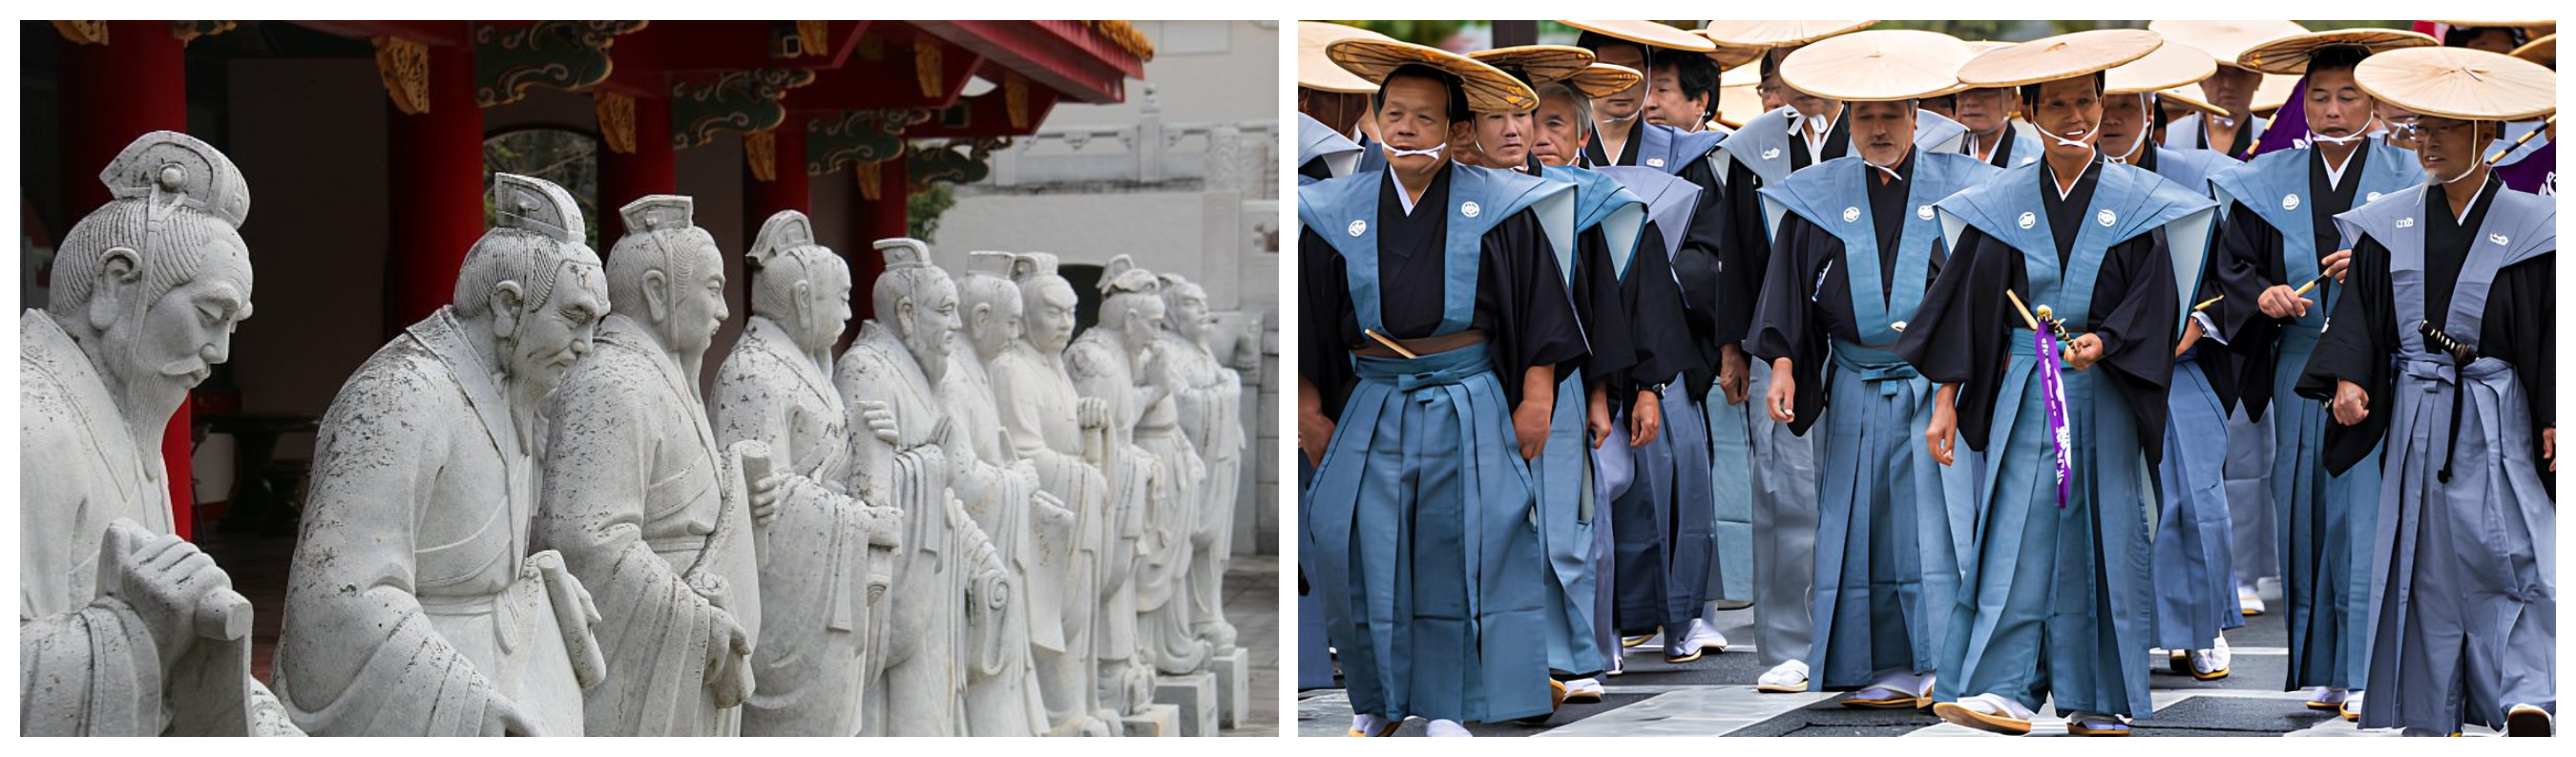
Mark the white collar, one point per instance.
(1815, 147)
(1401, 195)
(2334, 173)
(2474, 199)
(2069, 189)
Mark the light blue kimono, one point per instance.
(1316, 140)
(1566, 507)
(1422, 520)
(2321, 521)
(2195, 537)
(1888, 546)
(2054, 602)
(1670, 487)
(2464, 588)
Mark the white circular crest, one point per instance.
(1469, 209)
(2289, 202)
(1923, 212)
(2028, 220)
(2107, 217)
(1359, 227)
(1851, 214)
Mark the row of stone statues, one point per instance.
(525, 519)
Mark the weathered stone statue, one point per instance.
(829, 555)
(124, 629)
(1057, 431)
(948, 580)
(634, 492)
(1210, 400)
(1001, 493)
(416, 605)
(1121, 361)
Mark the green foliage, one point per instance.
(924, 207)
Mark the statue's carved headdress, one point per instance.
(652, 223)
(525, 206)
(904, 252)
(787, 231)
(171, 169)
(532, 204)
(991, 263)
(1122, 276)
(1032, 265)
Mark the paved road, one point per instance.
(1714, 696)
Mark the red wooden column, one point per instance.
(436, 164)
(110, 94)
(790, 189)
(652, 169)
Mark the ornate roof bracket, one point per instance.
(616, 120)
(404, 64)
(746, 100)
(565, 55)
(858, 136)
(947, 163)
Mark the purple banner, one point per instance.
(2052, 387)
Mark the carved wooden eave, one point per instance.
(801, 39)
(857, 137)
(189, 31)
(925, 65)
(616, 120)
(760, 154)
(948, 163)
(871, 179)
(565, 55)
(1015, 100)
(746, 100)
(404, 64)
(82, 32)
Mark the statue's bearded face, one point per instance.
(1000, 324)
(1050, 317)
(555, 334)
(933, 319)
(1144, 321)
(160, 348)
(829, 300)
(1189, 313)
(698, 305)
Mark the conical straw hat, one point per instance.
(1315, 70)
(1603, 80)
(2289, 55)
(2457, 82)
(1877, 66)
(1538, 62)
(1769, 34)
(1647, 33)
(1489, 90)
(2224, 40)
(2168, 67)
(2064, 56)
(2543, 51)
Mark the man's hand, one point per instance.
(1942, 436)
(2338, 263)
(1596, 416)
(2549, 447)
(2278, 302)
(2190, 336)
(1530, 422)
(879, 417)
(1733, 374)
(1314, 431)
(2351, 403)
(1782, 399)
(2083, 352)
(1645, 418)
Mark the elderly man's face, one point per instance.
(1883, 131)
(1666, 105)
(1503, 139)
(2070, 109)
(830, 295)
(555, 334)
(1189, 314)
(2232, 88)
(2336, 107)
(2448, 148)
(2124, 125)
(1144, 322)
(1414, 116)
(996, 320)
(181, 336)
(934, 322)
(1984, 109)
(1560, 132)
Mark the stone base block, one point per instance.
(1233, 687)
(1195, 695)
(1156, 720)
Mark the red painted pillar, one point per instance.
(110, 94)
(789, 190)
(436, 161)
(652, 169)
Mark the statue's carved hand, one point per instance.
(501, 717)
(879, 417)
(728, 661)
(1092, 412)
(884, 526)
(164, 579)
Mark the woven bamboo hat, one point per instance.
(1603, 80)
(1316, 71)
(2543, 51)
(2457, 82)
(1488, 89)
(2064, 56)
(2224, 40)
(2168, 67)
(1877, 66)
(1538, 62)
(1647, 33)
(2289, 55)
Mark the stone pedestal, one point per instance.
(1233, 686)
(1195, 695)
(1156, 720)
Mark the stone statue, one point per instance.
(1001, 493)
(1210, 400)
(948, 579)
(1057, 432)
(1121, 361)
(125, 629)
(829, 555)
(639, 500)
(416, 605)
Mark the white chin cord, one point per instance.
(2043, 131)
(1393, 152)
(2358, 135)
(2149, 108)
